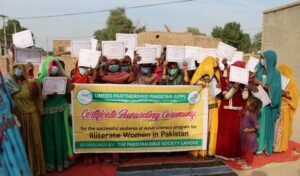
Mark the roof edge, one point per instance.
(282, 7)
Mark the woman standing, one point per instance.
(172, 74)
(270, 79)
(143, 73)
(230, 114)
(13, 160)
(28, 114)
(111, 73)
(55, 125)
(283, 129)
(206, 72)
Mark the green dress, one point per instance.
(56, 133)
(271, 112)
(262, 125)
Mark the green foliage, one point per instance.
(117, 22)
(233, 35)
(194, 31)
(10, 30)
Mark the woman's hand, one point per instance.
(286, 94)
(185, 66)
(136, 58)
(166, 63)
(159, 61)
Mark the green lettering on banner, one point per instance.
(122, 97)
(137, 144)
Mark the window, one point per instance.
(157, 36)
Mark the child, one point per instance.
(248, 135)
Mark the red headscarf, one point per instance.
(118, 77)
(78, 78)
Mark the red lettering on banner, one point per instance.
(168, 114)
(99, 114)
(148, 115)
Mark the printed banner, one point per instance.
(138, 118)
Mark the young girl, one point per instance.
(248, 129)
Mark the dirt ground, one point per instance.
(280, 169)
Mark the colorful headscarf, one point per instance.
(78, 78)
(116, 77)
(206, 68)
(47, 66)
(22, 68)
(273, 80)
(292, 88)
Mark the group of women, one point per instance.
(43, 142)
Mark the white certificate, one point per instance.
(23, 39)
(238, 56)
(158, 48)
(175, 53)
(252, 63)
(76, 46)
(192, 52)
(284, 82)
(262, 95)
(214, 90)
(88, 58)
(94, 44)
(25, 55)
(147, 54)
(54, 85)
(225, 51)
(113, 49)
(130, 40)
(239, 75)
(204, 52)
(190, 62)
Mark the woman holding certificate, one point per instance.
(283, 128)
(172, 74)
(56, 133)
(230, 113)
(13, 160)
(270, 79)
(144, 73)
(204, 76)
(28, 112)
(111, 73)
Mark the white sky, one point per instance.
(203, 14)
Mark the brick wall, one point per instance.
(60, 46)
(176, 38)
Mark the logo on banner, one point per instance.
(84, 97)
(194, 97)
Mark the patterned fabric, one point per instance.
(13, 160)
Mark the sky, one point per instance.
(203, 14)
